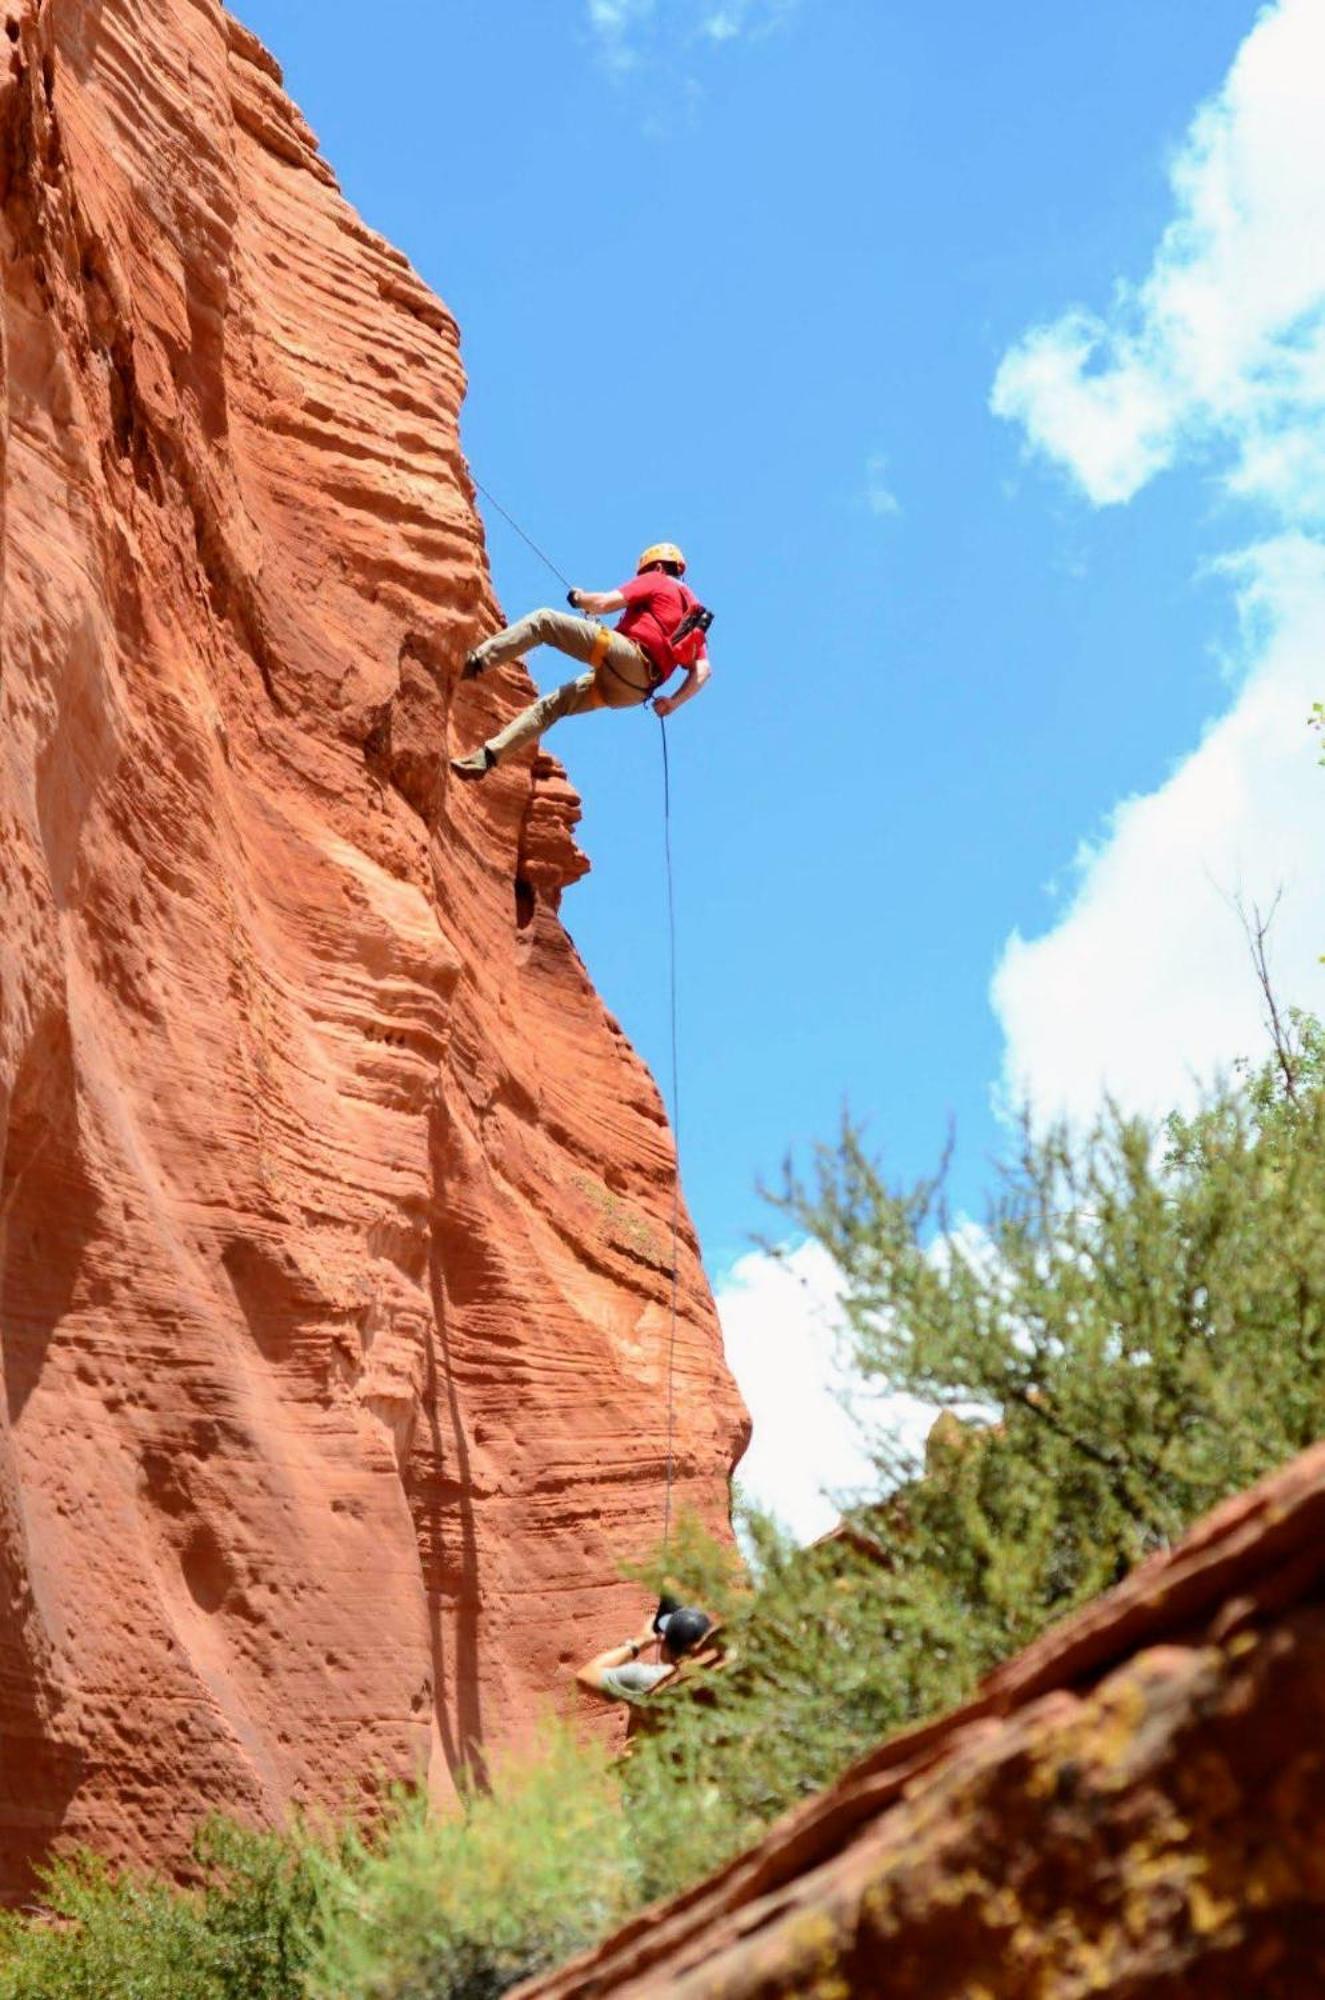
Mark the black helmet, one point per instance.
(682, 1630)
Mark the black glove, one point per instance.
(573, 599)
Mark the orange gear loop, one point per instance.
(602, 640)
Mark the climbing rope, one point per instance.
(548, 563)
(676, 1134)
(528, 540)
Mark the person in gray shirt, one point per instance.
(622, 1675)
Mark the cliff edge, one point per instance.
(334, 1208)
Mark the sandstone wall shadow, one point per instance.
(451, 1573)
(48, 1208)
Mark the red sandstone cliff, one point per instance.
(1134, 1808)
(334, 1208)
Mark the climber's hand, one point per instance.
(662, 705)
(667, 1604)
(573, 599)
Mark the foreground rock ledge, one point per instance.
(335, 1210)
(1136, 1806)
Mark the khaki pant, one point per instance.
(622, 677)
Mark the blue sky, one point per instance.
(927, 329)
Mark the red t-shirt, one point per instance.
(655, 605)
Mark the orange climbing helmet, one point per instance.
(664, 552)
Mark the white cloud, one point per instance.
(614, 17)
(879, 496)
(1145, 984)
(616, 24)
(740, 17)
(1223, 343)
(781, 1321)
(725, 25)
(1220, 353)
(1113, 427)
(630, 29)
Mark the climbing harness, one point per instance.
(604, 640)
(686, 646)
(600, 657)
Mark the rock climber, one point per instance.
(661, 633)
(676, 1629)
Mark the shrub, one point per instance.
(245, 1934)
(452, 1906)
(259, 1909)
(459, 1906)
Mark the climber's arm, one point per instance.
(597, 602)
(595, 1673)
(697, 677)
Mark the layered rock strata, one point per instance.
(1135, 1807)
(334, 1208)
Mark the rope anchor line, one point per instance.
(528, 540)
(676, 1135)
(561, 577)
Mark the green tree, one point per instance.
(1136, 1330)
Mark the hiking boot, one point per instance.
(474, 664)
(476, 765)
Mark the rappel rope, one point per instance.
(528, 540)
(548, 564)
(676, 1135)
